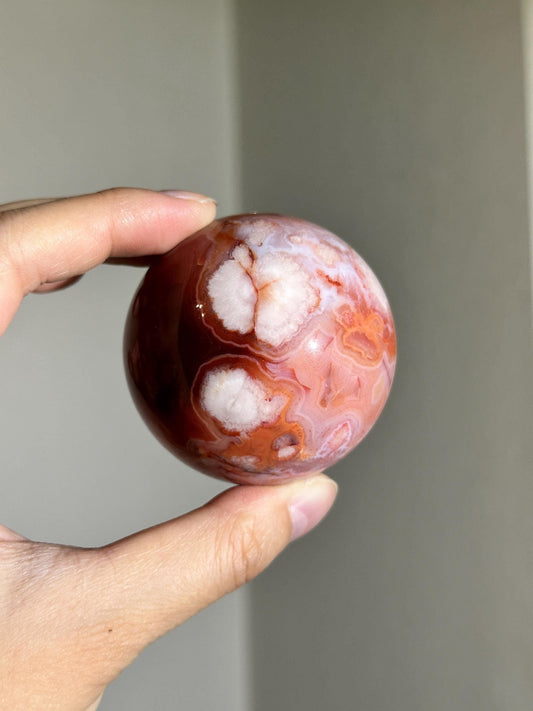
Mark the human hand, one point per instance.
(72, 619)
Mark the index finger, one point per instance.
(56, 240)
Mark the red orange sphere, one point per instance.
(260, 349)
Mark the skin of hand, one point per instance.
(72, 619)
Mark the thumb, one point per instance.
(159, 577)
(47, 241)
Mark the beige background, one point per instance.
(402, 126)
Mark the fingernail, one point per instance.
(187, 195)
(311, 504)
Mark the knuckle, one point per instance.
(6, 241)
(244, 552)
(14, 260)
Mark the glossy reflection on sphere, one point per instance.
(260, 349)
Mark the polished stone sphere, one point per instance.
(260, 349)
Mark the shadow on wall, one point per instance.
(400, 126)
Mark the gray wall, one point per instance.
(400, 125)
(93, 94)
(527, 50)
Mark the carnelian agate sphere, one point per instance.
(260, 349)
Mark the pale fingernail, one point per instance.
(311, 504)
(187, 195)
